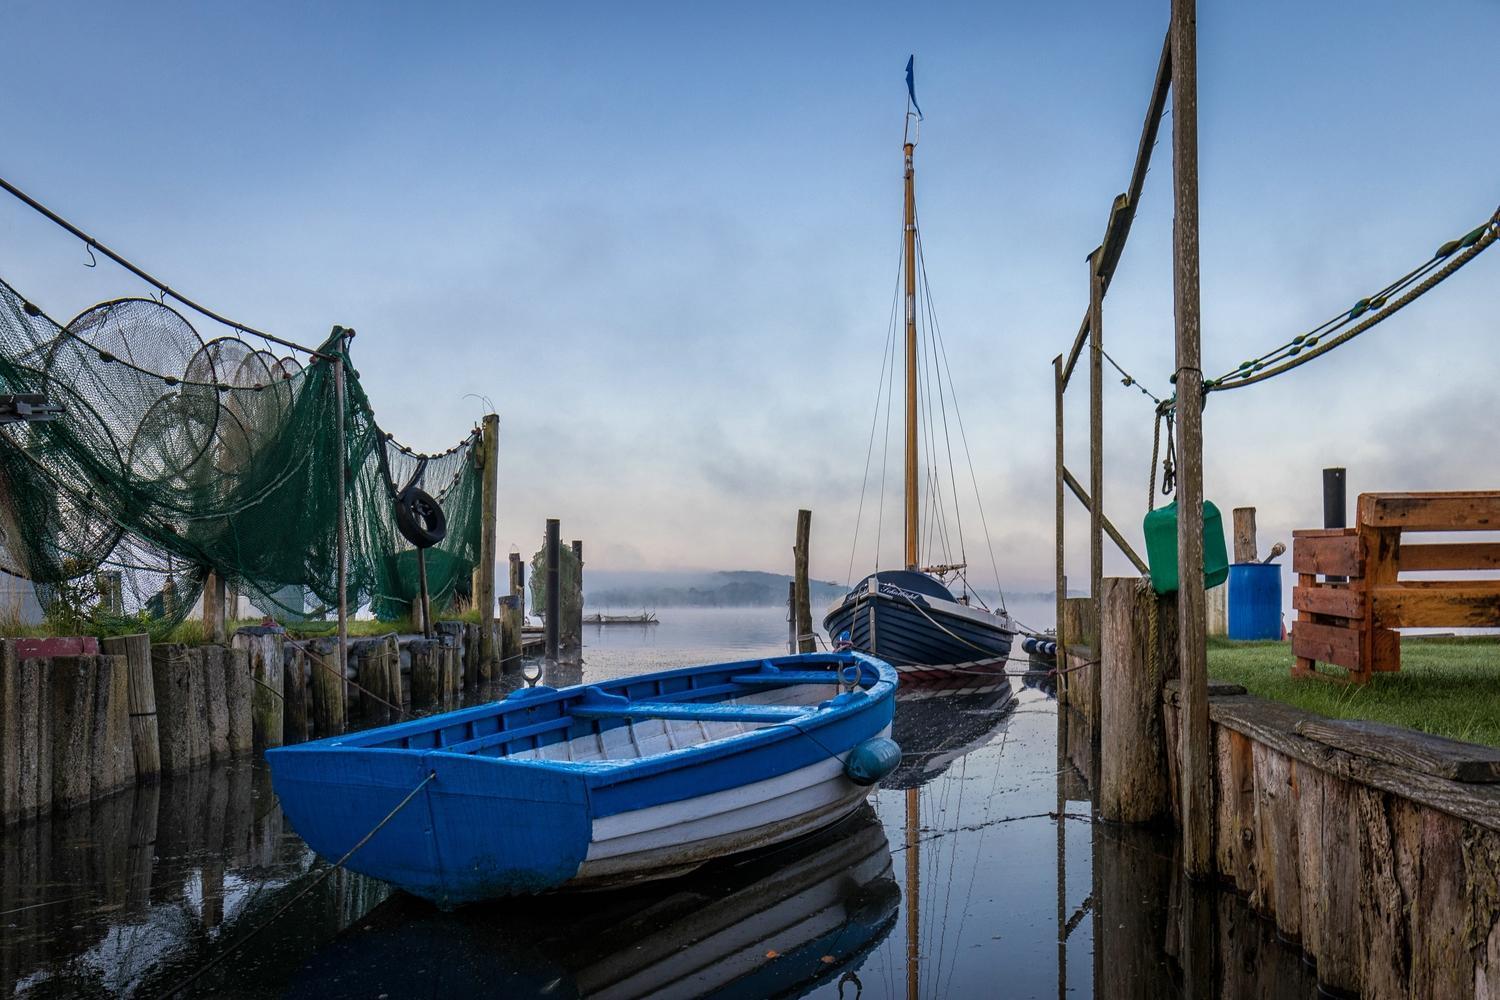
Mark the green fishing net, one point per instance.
(176, 457)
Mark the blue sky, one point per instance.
(661, 237)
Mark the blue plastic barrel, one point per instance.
(1255, 601)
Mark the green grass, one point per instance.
(1447, 687)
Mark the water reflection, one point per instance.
(976, 873)
(778, 923)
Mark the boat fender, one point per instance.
(1029, 644)
(872, 760)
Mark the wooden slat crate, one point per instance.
(1349, 623)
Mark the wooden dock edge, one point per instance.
(1388, 875)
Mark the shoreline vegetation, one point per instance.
(1447, 685)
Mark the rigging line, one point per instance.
(1129, 379)
(963, 555)
(874, 419)
(969, 458)
(161, 286)
(1431, 282)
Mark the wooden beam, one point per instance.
(1096, 479)
(1328, 644)
(1197, 794)
(1109, 528)
(1330, 552)
(1406, 748)
(802, 611)
(1438, 604)
(1340, 602)
(484, 597)
(1460, 511)
(1447, 556)
(1060, 473)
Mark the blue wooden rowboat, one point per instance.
(598, 785)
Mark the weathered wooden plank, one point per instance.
(1390, 843)
(217, 698)
(1441, 963)
(1454, 511)
(1328, 644)
(1438, 604)
(1234, 808)
(1216, 689)
(1435, 755)
(72, 685)
(10, 734)
(1329, 599)
(239, 694)
(114, 760)
(1328, 553)
(1449, 555)
(142, 694)
(1309, 818)
(1278, 892)
(1339, 951)
(175, 673)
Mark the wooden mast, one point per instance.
(912, 558)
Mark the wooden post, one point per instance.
(216, 697)
(553, 616)
(1245, 549)
(11, 734)
(72, 685)
(489, 454)
(577, 623)
(515, 613)
(1197, 800)
(1132, 766)
(181, 706)
(295, 714)
(424, 602)
(804, 636)
(330, 707)
(137, 652)
(1061, 581)
(791, 615)
(1096, 478)
(343, 525)
(215, 608)
(265, 647)
(239, 694)
(425, 672)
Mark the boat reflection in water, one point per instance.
(773, 923)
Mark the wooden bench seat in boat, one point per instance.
(690, 711)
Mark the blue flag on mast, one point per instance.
(911, 87)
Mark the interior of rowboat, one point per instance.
(624, 720)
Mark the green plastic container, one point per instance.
(1161, 547)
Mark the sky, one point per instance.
(662, 239)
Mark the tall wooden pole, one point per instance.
(484, 595)
(553, 617)
(913, 558)
(1197, 804)
(1061, 582)
(424, 600)
(802, 610)
(343, 530)
(1096, 488)
(577, 623)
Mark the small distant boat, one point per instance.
(644, 618)
(598, 785)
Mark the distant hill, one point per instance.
(728, 589)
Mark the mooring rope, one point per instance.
(190, 980)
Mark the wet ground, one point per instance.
(975, 872)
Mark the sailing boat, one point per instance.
(908, 617)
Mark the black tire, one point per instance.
(419, 518)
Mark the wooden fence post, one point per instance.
(1245, 548)
(489, 452)
(1132, 762)
(805, 639)
(1197, 799)
(142, 701)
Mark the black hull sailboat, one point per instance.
(908, 617)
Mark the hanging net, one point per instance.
(175, 457)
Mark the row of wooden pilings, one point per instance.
(76, 728)
(1373, 848)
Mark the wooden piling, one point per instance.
(553, 615)
(142, 701)
(10, 734)
(264, 644)
(1132, 761)
(239, 696)
(367, 658)
(113, 758)
(296, 712)
(805, 638)
(215, 608)
(425, 672)
(515, 614)
(34, 714)
(215, 690)
(1082, 631)
(575, 625)
(1245, 549)
(469, 637)
(71, 683)
(1197, 803)
(489, 458)
(330, 710)
(180, 706)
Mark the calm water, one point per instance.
(976, 872)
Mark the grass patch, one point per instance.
(1447, 687)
